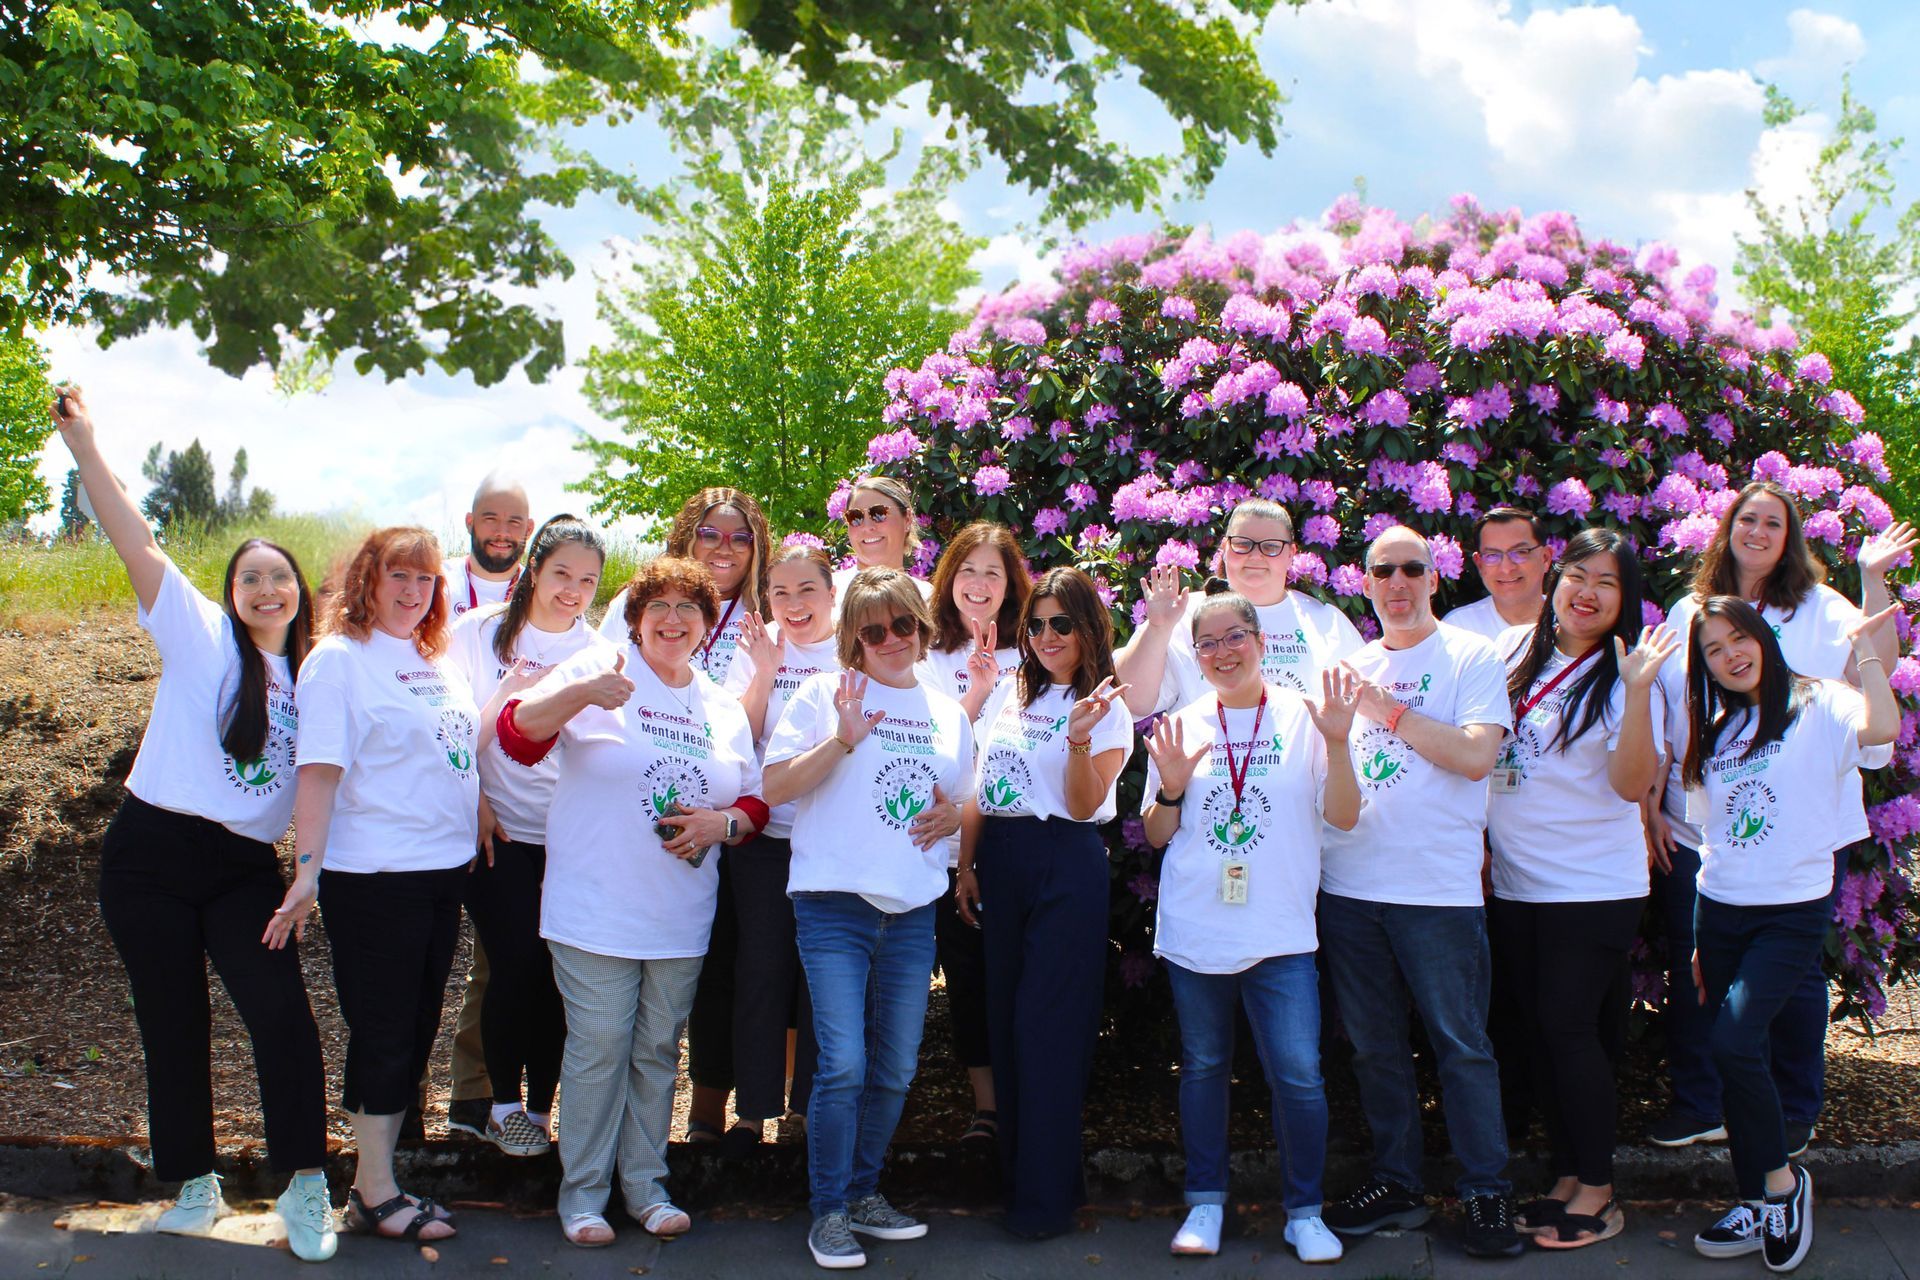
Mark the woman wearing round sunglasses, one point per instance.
(882, 530)
(879, 764)
(1052, 746)
(1302, 636)
(725, 530)
(1241, 780)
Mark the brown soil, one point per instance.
(73, 703)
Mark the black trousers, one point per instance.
(393, 936)
(523, 1025)
(1043, 886)
(961, 953)
(751, 989)
(176, 891)
(1564, 968)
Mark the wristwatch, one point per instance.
(733, 828)
(1161, 797)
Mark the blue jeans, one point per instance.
(1381, 956)
(1282, 995)
(868, 973)
(1753, 961)
(1798, 1047)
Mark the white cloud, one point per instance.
(1823, 45)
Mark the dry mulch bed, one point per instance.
(72, 705)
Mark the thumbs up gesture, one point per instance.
(611, 688)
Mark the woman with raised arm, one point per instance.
(656, 769)
(1241, 779)
(385, 823)
(1569, 861)
(502, 649)
(1776, 755)
(188, 871)
(1051, 749)
(879, 764)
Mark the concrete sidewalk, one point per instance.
(1850, 1244)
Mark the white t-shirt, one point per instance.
(467, 591)
(798, 663)
(403, 730)
(1023, 753)
(1303, 638)
(519, 794)
(1277, 843)
(610, 888)
(1482, 618)
(711, 660)
(1769, 819)
(181, 765)
(850, 833)
(1561, 834)
(948, 671)
(1420, 838)
(613, 624)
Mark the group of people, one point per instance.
(766, 797)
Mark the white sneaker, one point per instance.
(308, 1216)
(1312, 1241)
(198, 1206)
(1199, 1235)
(664, 1218)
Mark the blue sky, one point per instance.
(1642, 118)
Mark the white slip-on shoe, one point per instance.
(1199, 1235)
(307, 1213)
(1312, 1240)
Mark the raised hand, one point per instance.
(1639, 665)
(1166, 597)
(1339, 698)
(849, 701)
(1373, 701)
(1880, 552)
(983, 669)
(610, 688)
(1089, 711)
(766, 649)
(1861, 634)
(1168, 748)
(520, 677)
(75, 425)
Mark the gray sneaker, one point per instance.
(873, 1216)
(833, 1245)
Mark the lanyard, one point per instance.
(1528, 704)
(473, 598)
(706, 646)
(1237, 773)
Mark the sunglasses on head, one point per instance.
(875, 633)
(1062, 625)
(878, 513)
(709, 537)
(1412, 568)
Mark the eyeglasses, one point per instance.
(878, 513)
(709, 537)
(1062, 625)
(1513, 555)
(687, 610)
(1234, 639)
(1414, 569)
(279, 580)
(1269, 547)
(874, 633)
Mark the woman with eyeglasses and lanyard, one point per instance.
(1052, 748)
(1241, 781)
(657, 768)
(188, 870)
(725, 530)
(1303, 636)
(882, 530)
(879, 764)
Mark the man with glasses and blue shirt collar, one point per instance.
(1510, 551)
(1401, 920)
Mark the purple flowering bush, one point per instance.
(1370, 372)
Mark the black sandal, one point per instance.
(1538, 1215)
(985, 1127)
(1578, 1230)
(741, 1140)
(362, 1220)
(699, 1131)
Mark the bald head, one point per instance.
(498, 487)
(1403, 600)
(498, 526)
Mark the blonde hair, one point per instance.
(872, 591)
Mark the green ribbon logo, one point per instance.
(1425, 681)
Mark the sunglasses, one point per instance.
(879, 514)
(709, 537)
(874, 633)
(1234, 639)
(1415, 569)
(1062, 625)
(1269, 547)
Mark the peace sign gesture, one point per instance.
(1089, 711)
(1168, 748)
(983, 669)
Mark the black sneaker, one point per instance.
(1377, 1205)
(1736, 1235)
(1788, 1224)
(1798, 1136)
(1680, 1128)
(1489, 1231)
(469, 1115)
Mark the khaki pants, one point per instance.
(469, 1063)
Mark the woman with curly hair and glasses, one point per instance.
(725, 530)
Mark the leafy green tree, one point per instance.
(277, 177)
(784, 277)
(1843, 266)
(24, 425)
(182, 487)
(73, 521)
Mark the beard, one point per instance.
(493, 563)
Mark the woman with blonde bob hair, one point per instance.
(385, 819)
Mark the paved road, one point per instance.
(1851, 1244)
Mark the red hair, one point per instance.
(350, 613)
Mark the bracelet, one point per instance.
(1393, 717)
(846, 746)
(1859, 661)
(1079, 748)
(1161, 797)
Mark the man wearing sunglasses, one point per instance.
(1303, 636)
(1401, 918)
(1510, 551)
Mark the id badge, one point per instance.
(1233, 882)
(1506, 781)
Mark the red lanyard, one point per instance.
(1237, 773)
(473, 598)
(1528, 704)
(706, 646)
